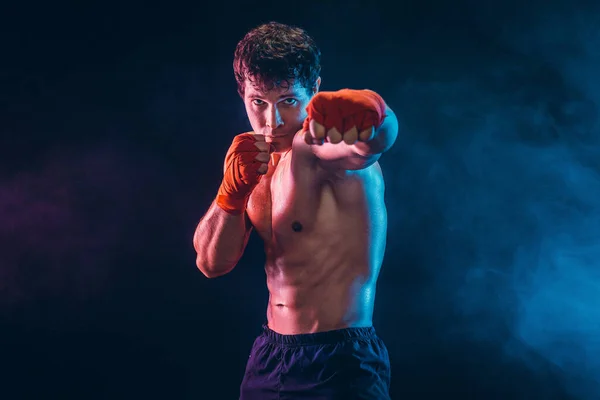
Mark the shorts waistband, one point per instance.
(327, 337)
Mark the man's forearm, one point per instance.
(219, 241)
(384, 137)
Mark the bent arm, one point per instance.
(220, 240)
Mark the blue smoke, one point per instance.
(560, 304)
(500, 167)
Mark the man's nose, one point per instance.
(274, 120)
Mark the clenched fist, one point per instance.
(348, 115)
(246, 161)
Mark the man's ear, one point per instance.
(315, 88)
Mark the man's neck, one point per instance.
(276, 156)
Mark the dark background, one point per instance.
(114, 121)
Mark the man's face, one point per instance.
(278, 113)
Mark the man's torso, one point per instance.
(323, 276)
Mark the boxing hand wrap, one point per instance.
(241, 174)
(346, 108)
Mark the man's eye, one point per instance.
(258, 102)
(290, 101)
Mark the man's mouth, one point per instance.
(278, 135)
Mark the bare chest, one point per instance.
(283, 207)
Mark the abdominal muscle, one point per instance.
(311, 306)
(321, 278)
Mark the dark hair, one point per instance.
(273, 54)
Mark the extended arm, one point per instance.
(360, 152)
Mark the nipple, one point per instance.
(296, 226)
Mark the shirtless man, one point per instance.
(307, 179)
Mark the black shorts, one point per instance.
(346, 364)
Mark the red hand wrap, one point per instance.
(240, 176)
(346, 108)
